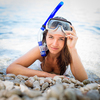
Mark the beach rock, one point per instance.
(52, 98)
(65, 85)
(40, 98)
(66, 80)
(1, 77)
(92, 86)
(29, 82)
(36, 78)
(9, 85)
(26, 98)
(2, 98)
(73, 80)
(3, 93)
(71, 85)
(8, 78)
(48, 79)
(16, 81)
(99, 81)
(31, 78)
(13, 92)
(2, 86)
(99, 89)
(59, 81)
(88, 87)
(32, 93)
(41, 80)
(93, 95)
(83, 90)
(22, 77)
(85, 82)
(14, 97)
(58, 77)
(55, 91)
(23, 87)
(36, 85)
(78, 83)
(80, 96)
(53, 82)
(11, 75)
(45, 85)
(16, 87)
(1, 72)
(70, 94)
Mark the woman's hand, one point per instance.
(71, 38)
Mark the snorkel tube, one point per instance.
(42, 47)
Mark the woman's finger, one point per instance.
(73, 29)
(70, 33)
(71, 36)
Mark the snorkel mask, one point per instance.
(56, 23)
(42, 46)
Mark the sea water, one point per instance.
(20, 21)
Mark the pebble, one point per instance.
(11, 75)
(29, 83)
(33, 93)
(1, 72)
(45, 85)
(14, 97)
(21, 87)
(55, 91)
(22, 77)
(70, 94)
(13, 92)
(2, 86)
(93, 94)
(9, 85)
(36, 85)
(86, 82)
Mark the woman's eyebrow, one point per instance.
(49, 34)
(61, 37)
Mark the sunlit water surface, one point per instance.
(20, 21)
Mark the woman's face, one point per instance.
(55, 41)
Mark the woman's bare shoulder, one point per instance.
(35, 53)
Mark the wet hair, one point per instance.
(64, 59)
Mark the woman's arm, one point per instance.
(20, 66)
(76, 66)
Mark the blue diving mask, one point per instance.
(54, 23)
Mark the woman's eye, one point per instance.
(50, 36)
(61, 39)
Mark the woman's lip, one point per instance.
(54, 48)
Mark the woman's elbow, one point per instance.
(9, 69)
(83, 78)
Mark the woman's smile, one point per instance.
(54, 48)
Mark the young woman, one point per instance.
(60, 38)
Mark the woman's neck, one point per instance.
(52, 56)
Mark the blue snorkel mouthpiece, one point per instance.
(40, 34)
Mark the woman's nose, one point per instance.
(55, 43)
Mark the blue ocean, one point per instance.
(20, 21)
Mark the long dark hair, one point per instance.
(64, 59)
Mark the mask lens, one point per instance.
(53, 24)
(66, 26)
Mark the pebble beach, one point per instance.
(21, 87)
(20, 21)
